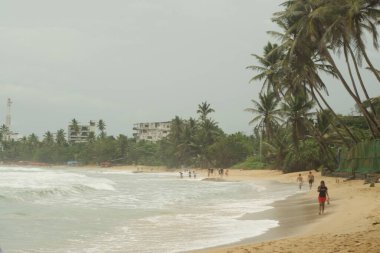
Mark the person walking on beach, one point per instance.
(311, 179)
(300, 181)
(323, 195)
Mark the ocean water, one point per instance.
(103, 210)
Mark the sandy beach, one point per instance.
(351, 222)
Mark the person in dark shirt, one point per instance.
(323, 195)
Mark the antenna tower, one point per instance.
(8, 118)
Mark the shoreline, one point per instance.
(351, 222)
(293, 213)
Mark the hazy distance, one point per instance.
(134, 61)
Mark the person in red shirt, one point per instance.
(322, 197)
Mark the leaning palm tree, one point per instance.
(268, 68)
(317, 25)
(267, 112)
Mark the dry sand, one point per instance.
(351, 222)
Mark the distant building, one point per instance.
(153, 131)
(81, 134)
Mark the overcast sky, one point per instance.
(129, 61)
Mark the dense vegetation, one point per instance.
(191, 143)
(294, 126)
(299, 127)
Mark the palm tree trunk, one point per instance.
(350, 73)
(361, 80)
(368, 61)
(372, 124)
(336, 116)
(333, 125)
(328, 151)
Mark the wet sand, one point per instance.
(351, 222)
(294, 214)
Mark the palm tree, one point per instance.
(101, 126)
(267, 111)
(33, 141)
(204, 109)
(4, 133)
(60, 137)
(48, 138)
(268, 67)
(358, 17)
(315, 25)
(74, 126)
(176, 130)
(188, 146)
(296, 111)
(91, 137)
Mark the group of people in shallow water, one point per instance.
(190, 175)
(221, 172)
(323, 195)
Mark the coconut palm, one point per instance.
(33, 141)
(176, 130)
(4, 133)
(102, 127)
(316, 24)
(74, 126)
(268, 67)
(296, 111)
(188, 147)
(60, 137)
(48, 138)
(203, 110)
(267, 112)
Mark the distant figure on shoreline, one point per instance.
(300, 181)
(311, 179)
(195, 175)
(322, 196)
(226, 172)
(181, 174)
(189, 173)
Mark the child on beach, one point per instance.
(322, 196)
(300, 181)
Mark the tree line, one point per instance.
(294, 126)
(191, 142)
(299, 127)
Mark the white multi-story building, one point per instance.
(82, 133)
(152, 131)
